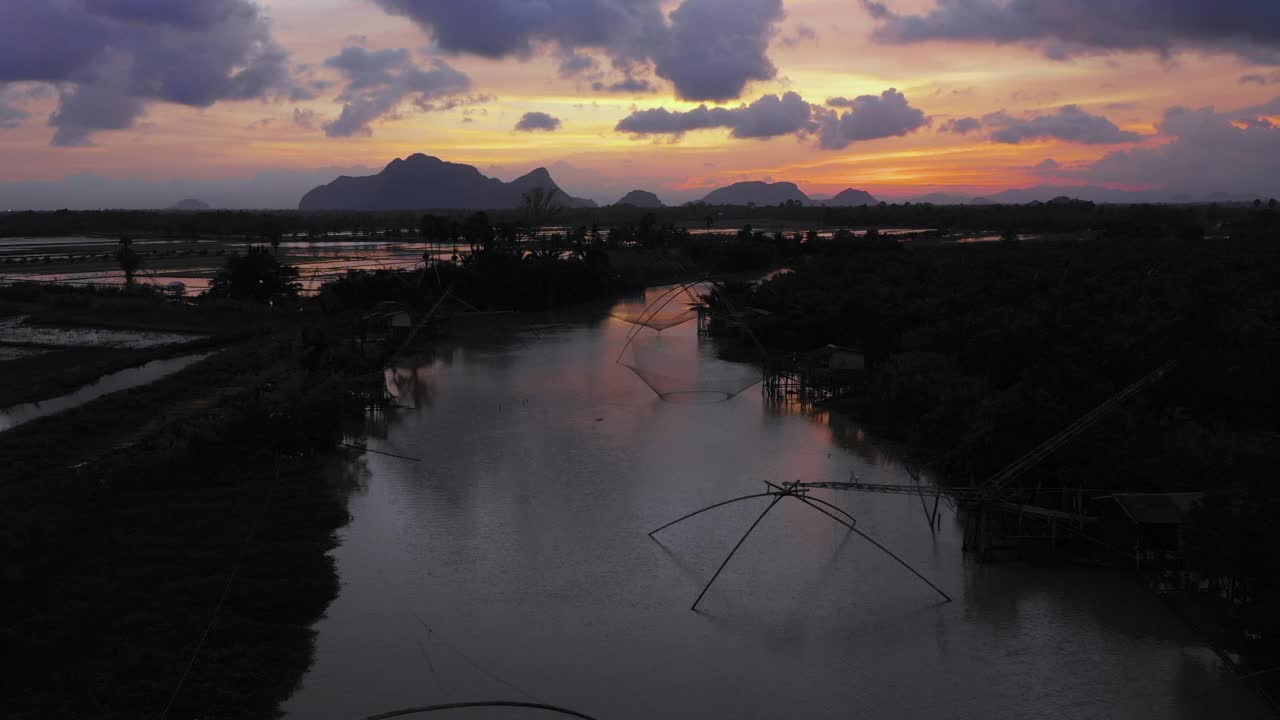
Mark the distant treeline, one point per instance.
(1059, 216)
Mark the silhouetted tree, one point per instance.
(479, 232)
(540, 205)
(256, 276)
(130, 261)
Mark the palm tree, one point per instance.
(130, 261)
(540, 205)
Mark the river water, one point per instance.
(514, 563)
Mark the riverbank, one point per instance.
(205, 502)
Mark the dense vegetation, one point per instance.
(980, 352)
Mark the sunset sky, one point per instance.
(900, 97)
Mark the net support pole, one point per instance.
(776, 500)
(709, 508)
(820, 501)
(806, 501)
(902, 562)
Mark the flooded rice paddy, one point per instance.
(16, 331)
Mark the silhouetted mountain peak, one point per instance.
(640, 199)
(424, 182)
(850, 196)
(190, 204)
(756, 192)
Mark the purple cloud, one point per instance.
(770, 116)
(708, 49)
(1069, 124)
(1208, 152)
(112, 58)
(538, 122)
(378, 81)
(1062, 29)
(961, 126)
(870, 117)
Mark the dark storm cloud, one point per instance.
(961, 126)
(110, 58)
(1209, 152)
(715, 47)
(870, 117)
(537, 121)
(1064, 28)
(377, 81)
(1069, 124)
(709, 49)
(770, 116)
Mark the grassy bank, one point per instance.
(125, 520)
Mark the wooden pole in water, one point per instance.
(776, 500)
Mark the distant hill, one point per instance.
(943, 199)
(852, 198)
(191, 204)
(422, 182)
(640, 199)
(756, 192)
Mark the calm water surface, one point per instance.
(514, 564)
(113, 382)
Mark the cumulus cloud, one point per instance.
(770, 116)
(535, 121)
(709, 49)
(715, 47)
(1209, 152)
(1047, 165)
(378, 81)
(1069, 124)
(1065, 28)
(961, 126)
(869, 117)
(111, 58)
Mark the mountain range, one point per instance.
(422, 182)
(767, 194)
